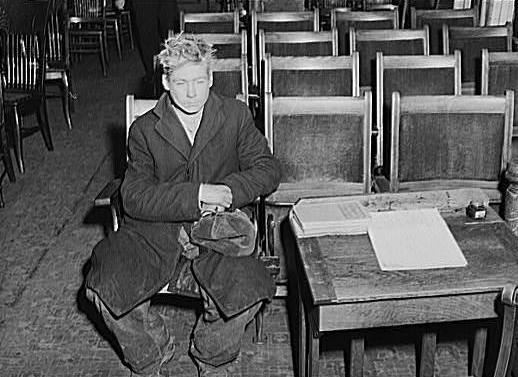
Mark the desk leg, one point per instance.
(356, 357)
(427, 362)
(313, 350)
(301, 336)
(479, 352)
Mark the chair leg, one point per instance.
(102, 54)
(8, 162)
(44, 125)
(2, 203)
(72, 96)
(17, 140)
(65, 98)
(117, 32)
(129, 26)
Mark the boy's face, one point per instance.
(189, 86)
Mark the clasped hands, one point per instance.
(214, 198)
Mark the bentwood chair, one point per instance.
(119, 21)
(5, 152)
(58, 58)
(389, 42)
(470, 41)
(435, 18)
(323, 146)
(410, 75)
(343, 19)
(500, 73)
(442, 142)
(88, 29)
(24, 66)
(221, 22)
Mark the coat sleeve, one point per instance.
(144, 197)
(259, 171)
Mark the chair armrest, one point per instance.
(108, 194)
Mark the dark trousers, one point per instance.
(147, 344)
(153, 19)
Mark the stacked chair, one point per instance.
(87, 24)
(58, 57)
(24, 66)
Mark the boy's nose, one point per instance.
(191, 90)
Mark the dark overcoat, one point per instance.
(160, 194)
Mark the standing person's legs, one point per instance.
(145, 14)
(217, 341)
(142, 335)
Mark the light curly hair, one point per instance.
(183, 48)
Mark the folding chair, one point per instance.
(343, 19)
(220, 22)
(227, 45)
(470, 41)
(278, 21)
(184, 286)
(500, 73)
(444, 142)
(323, 145)
(295, 43)
(410, 75)
(435, 18)
(389, 42)
(312, 75)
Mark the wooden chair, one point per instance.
(442, 142)
(500, 73)
(295, 43)
(411, 75)
(87, 29)
(312, 75)
(278, 22)
(323, 145)
(221, 22)
(123, 22)
(24, 65)
(110, 197)
(470, 41)
(343, 19)
(227, 45)
(5, 152)
(230, 77)
(58, 58)
(435, 18)
(389, 42)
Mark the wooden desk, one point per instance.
(342, 287)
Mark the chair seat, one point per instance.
(13, 97)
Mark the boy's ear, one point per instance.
(165, 82)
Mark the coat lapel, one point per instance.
(211, 121)
(170, 128)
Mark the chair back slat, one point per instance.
(500, 73)
(89, 9)
(322, 143)
(23, 62)
(464, 140)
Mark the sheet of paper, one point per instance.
(413, 240)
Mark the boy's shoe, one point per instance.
(206, 370)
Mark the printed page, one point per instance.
(413, 240)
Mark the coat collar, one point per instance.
(170, 128)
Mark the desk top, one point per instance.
(344, 269)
